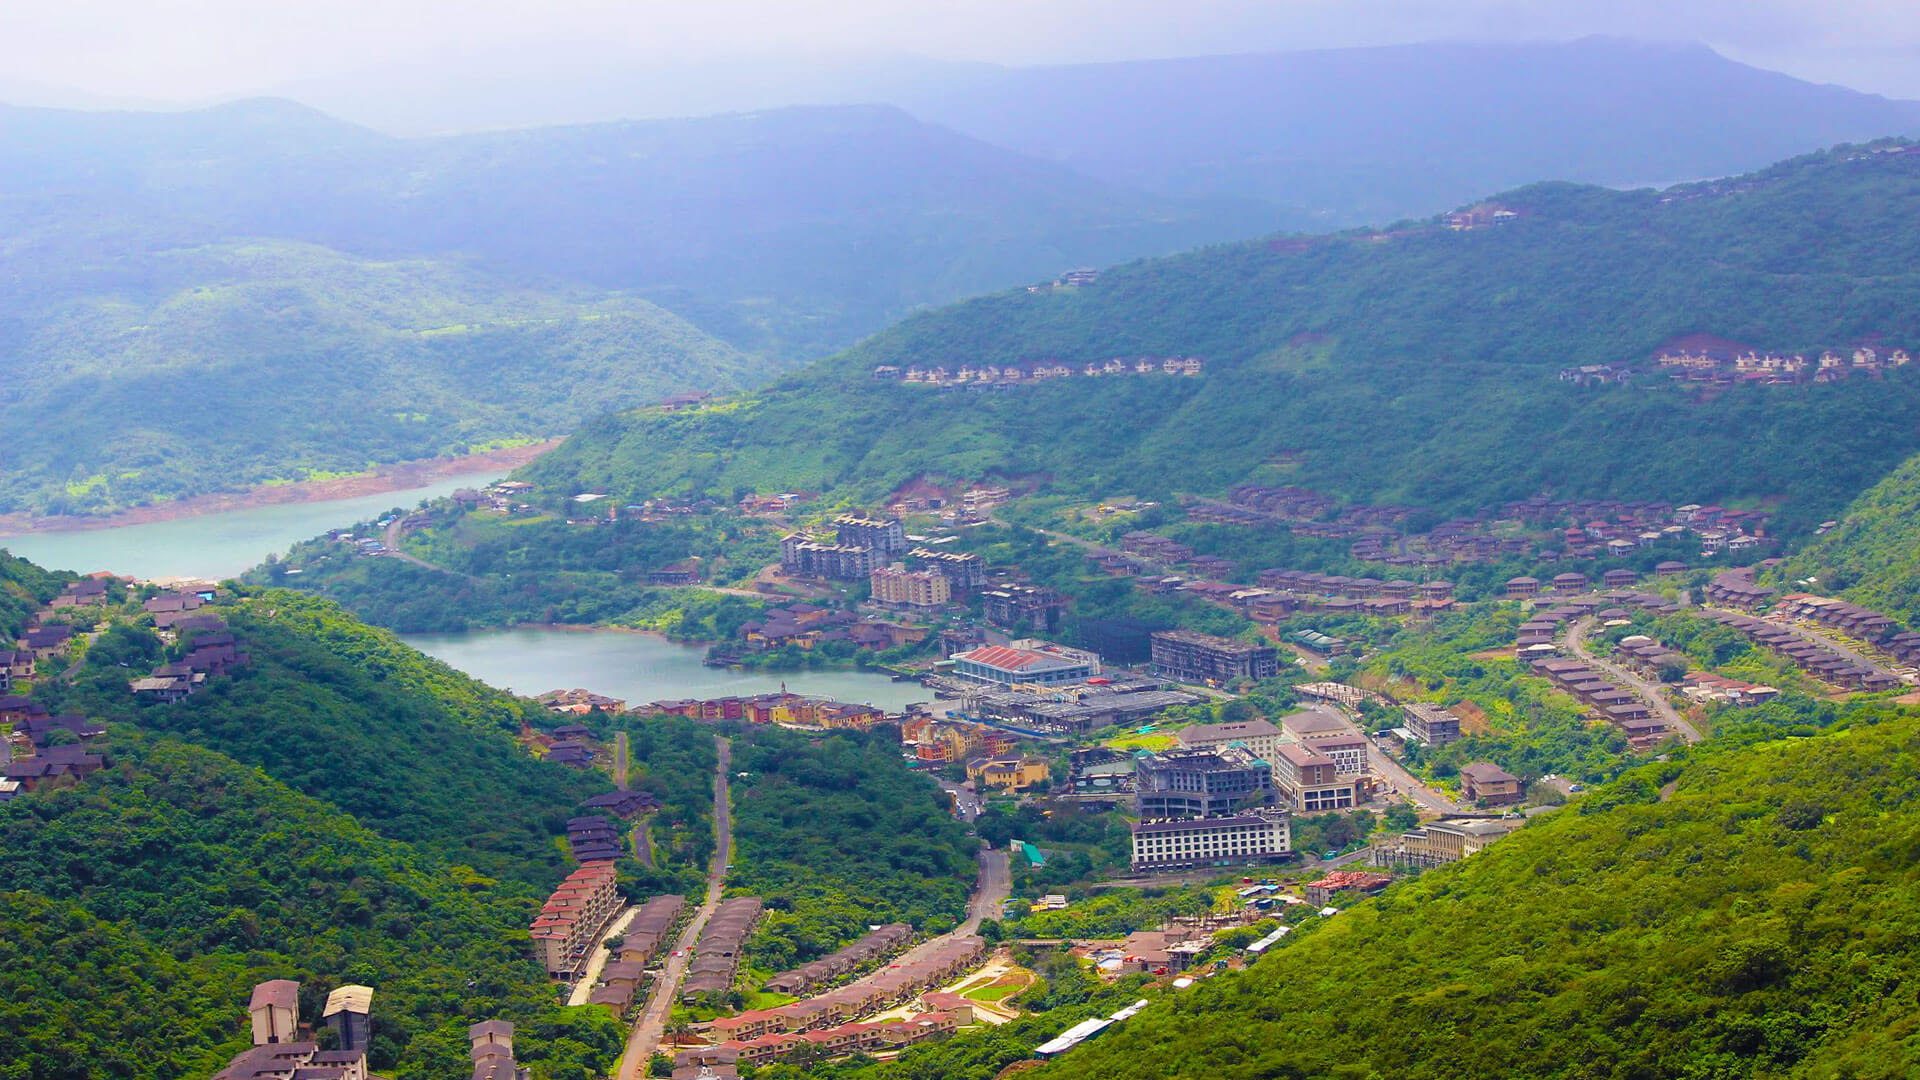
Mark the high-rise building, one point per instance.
(1204, 659)
(896, 586)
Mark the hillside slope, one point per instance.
(787, 232)
(1873, 556)
(1419, 366)
(190, 274)
(187, 854)
(196, 352)
(339, 711)
(1756, 922)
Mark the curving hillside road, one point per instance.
(652, 1025)
(1654, 697)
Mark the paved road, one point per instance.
(583, 988)
(1817, 637)
(652, 1025)
(392, 537)
(966, 803)
(1651, 694)
(989, 891)
(1405, 783)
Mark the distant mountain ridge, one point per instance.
(1420, 366)
(189, 273)
(1355, 136)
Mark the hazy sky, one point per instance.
(195, 50)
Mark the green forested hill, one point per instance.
(337, 809)
(342, 712)
(1418, 365)
(199, 368)
(1744, 911)
(1873, 555)
(256, 292)
(183, 853)
(1755, 919)
(24, 587)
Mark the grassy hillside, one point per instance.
(1754, 920)
(179, 852)
(338, 809)
(1416, 366)
(342, 712)
(1873, 556)
(192, 369)
(24, 587)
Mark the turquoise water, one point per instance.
(215, 546)
(638, 668)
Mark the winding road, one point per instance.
(652, 1025)
(1651, 694)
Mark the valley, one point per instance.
(948, 589)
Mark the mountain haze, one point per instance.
(192, 272)
(1343, 137)
(1419, 366)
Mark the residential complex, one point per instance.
(570, 923)
(1213, 661)
(1258, 736)
(1330, 734)
(1200, 783)
(965, 570)
(898, 587)
(1489, 785)
(884, 535)
(1431, 724)
(1177, 845)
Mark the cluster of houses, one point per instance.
(46, 751)
(1571, 582)
(569, 744)
(592, 838)
(804, 626)
(580, 702)
(1037, 371)
(828, 1021)
(648, 933)
(1725, 366)
(1617, 705)
(879, 942)
(1822, 661)
(1855, 621)
(284, 1048)
(936, 742)
(570, 923)
(1707, 688)
(212, 651)
(89, 591)
(792, 710)
(716, 958)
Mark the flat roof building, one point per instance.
(1213, 661)
(1230, 841)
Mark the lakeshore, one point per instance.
(403, 476)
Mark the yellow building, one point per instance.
(896, 586)
(1008, 774)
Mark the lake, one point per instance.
(639, 668)
(215, 546)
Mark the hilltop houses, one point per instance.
(1722, 365)
(1032, 372)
